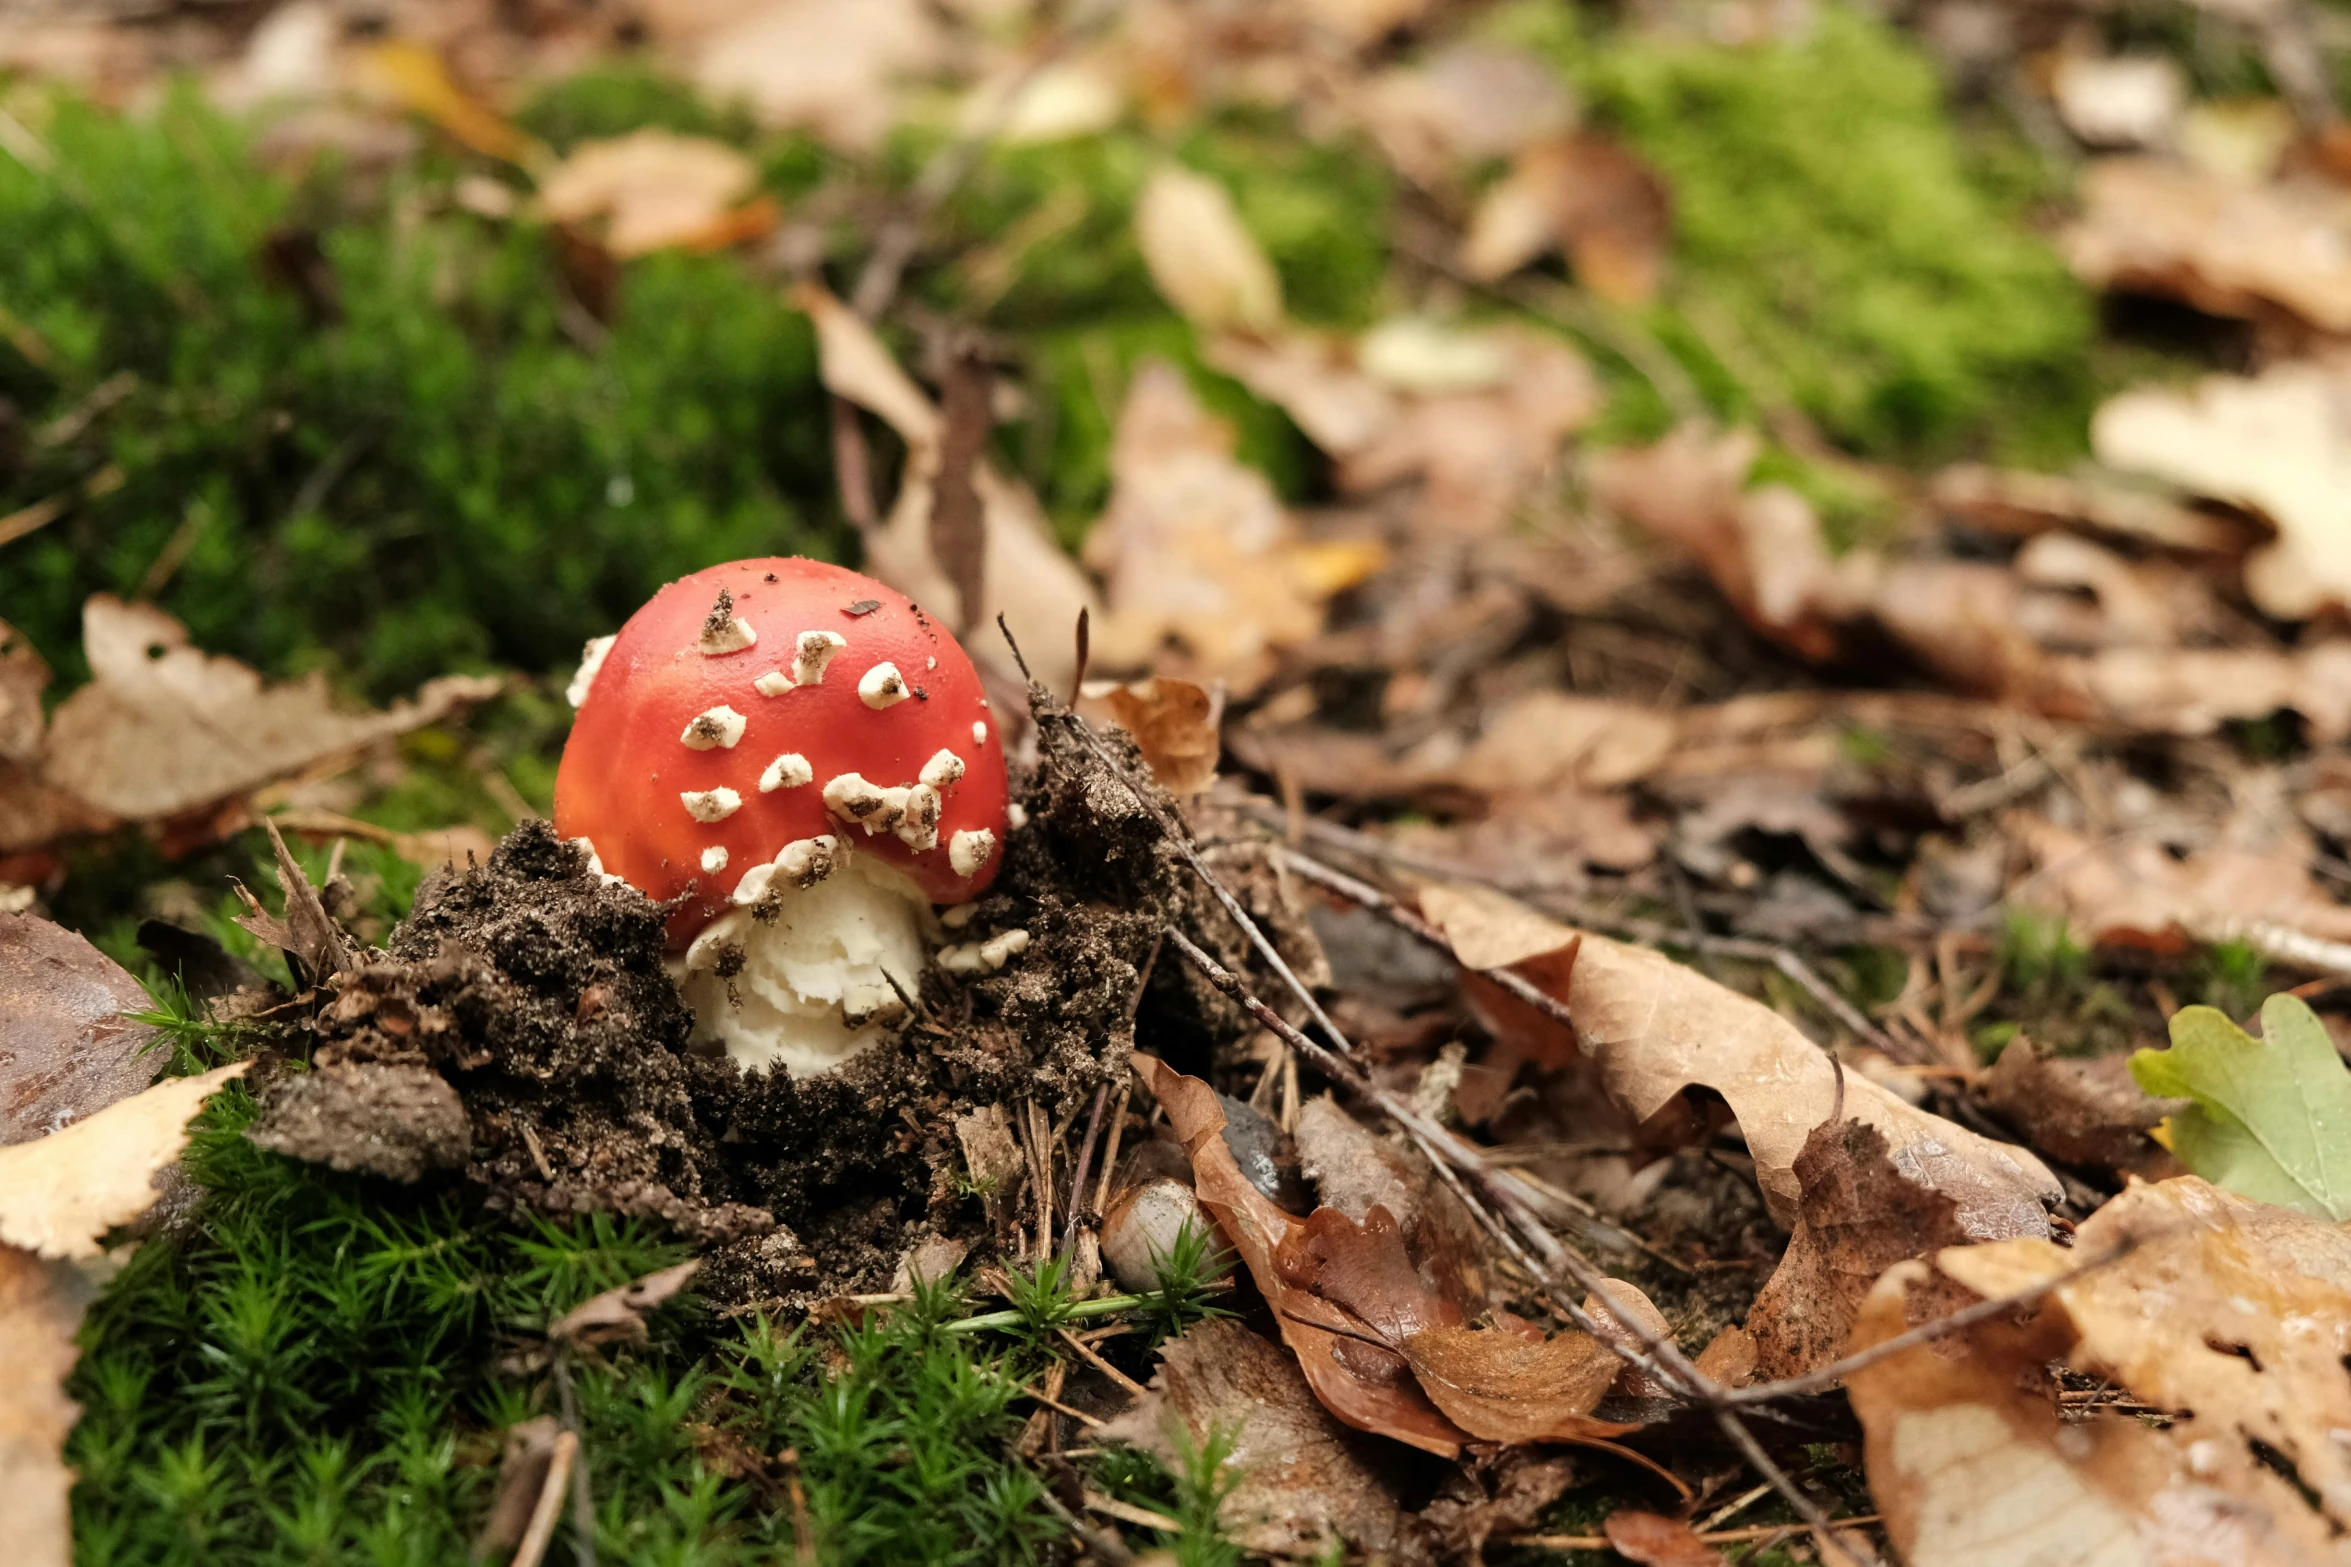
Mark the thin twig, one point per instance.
(1601, 1542)
(583, 1496)
(1836, 1371)
(1093, 1357)
(1118, 1126)
(542, 1526)
(1079, 1170)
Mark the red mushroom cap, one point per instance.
(703, 731)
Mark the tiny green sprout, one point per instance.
(1204, 1476)
(1191, 1272)
(197, 1041)
(1041, 1297)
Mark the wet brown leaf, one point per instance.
(2233, 1315)
(66, 1050)
(1653, 1028)
(652, 189)
(1195, 549)
(1301, 1478)
(1587, 195)
(164, 729)
(618, 1315)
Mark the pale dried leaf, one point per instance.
(2279, 443)
(826, 66)
(619, 1314)
(654, 189)
(2129, 890)
(2119, 100)
(1653, 1028)
(60, 1195)
(1547, 739)
(24, 674)
(2232, 1315)
(1196, 548)
(1465, 103)
(1657, 1541)
(1201, 256)
(163, 728)
(42, 1304)
(2225, 246)
(66, 1048)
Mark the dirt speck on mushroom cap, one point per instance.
(625, 770)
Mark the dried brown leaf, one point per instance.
(1380, 1349)
(24, 674)
(2089, 1112)
(618, 1315)
(164, 730)
(1859, 1215)
(1587, 195)
(1300, 1478)
(66, 1048)
(1653, 1028)
(1657, 1541)
(42, 1304)
(1174, 722)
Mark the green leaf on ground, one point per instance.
(2271, 1117)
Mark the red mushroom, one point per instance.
(808, 760)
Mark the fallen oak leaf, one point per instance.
(2268, 1118)
(2233, 1313)
(653, 189)
(1657, 1541)
(68, 1048)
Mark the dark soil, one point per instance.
(536, 990)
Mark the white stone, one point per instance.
(788, 771)
(720, 728)
(711, 805)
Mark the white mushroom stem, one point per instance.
(799, 974)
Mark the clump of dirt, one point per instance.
(536, 989)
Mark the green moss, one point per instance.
(1837, 250)
(373, 475)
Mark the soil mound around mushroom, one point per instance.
(535, 988)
